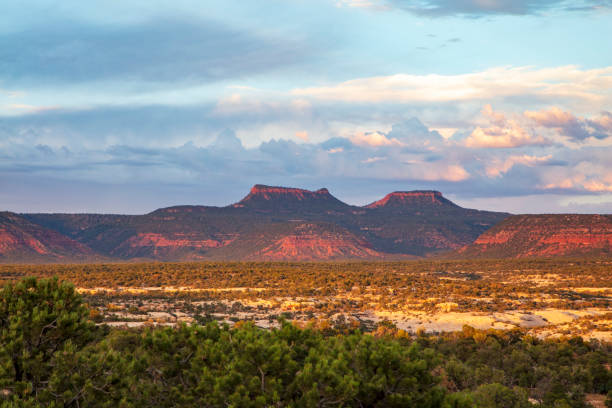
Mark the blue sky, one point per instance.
(130, 106)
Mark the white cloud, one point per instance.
(446, 133)
(366, 4)
(500, 132)
(592, 86)
(499, 167)
(439, 172)
(373, 139)
(589, 175)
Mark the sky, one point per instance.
(129, 106)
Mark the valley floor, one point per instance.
(543, 297)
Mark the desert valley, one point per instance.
(306, 204)
(412, 266)
(413, 258)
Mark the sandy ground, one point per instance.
(445, 315)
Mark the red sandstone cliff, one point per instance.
(546, 235)
(269, 198)
(412, 199)
(24, 241)
(274, 223)
(309, 242)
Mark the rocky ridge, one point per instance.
(273, 223)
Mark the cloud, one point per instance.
(373, 139)
(21, 108)
(598, 186)
(157, 51)
(237, 104)
(581, 182)
(169, 147)
(227, 141)
(366, 4)
(576, 128)
(586, 169)
(373, 159)
(374, 155)
(148, 126)
(590, 86)
(414, 134)
(501, 133)
(302, 135)
(439, 172)
(478, 8)
(497, 168)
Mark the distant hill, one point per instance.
(546, 235)
(403, 200)
(24, 241)
(279, 223)
(286, 199)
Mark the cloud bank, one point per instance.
(479, 8)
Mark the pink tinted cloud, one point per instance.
(571, 126)
(374, 139)
(501, 132)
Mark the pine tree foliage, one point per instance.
(52, 355)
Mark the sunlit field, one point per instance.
(543, 297)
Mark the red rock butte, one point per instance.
(411, 198)
(271, 192)
(261, 194)
(270, 223)
(545, 235)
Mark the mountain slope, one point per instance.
(545, 235)
(288, 199)
(309, 242)
(277, 223)
(24, 241)
(403, 200)
(423, 223)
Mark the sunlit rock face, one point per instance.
(286, 198)
(545, 235)
(411, 199)
(21, 240)
(309, 242)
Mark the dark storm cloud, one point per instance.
(157, 51)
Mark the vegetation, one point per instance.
(475, 285)
(52, 355)
(551, 297)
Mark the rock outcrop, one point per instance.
(279, 223)
(24, 241)
(547, 235)
(311, 242)
(412, 200)
(268, 198)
